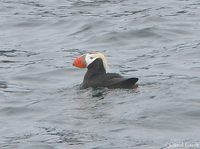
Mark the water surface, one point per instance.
(41, 104)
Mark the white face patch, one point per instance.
(90, 57)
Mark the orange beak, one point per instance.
(79, 62)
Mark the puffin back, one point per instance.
(122, 82)
(96, 76)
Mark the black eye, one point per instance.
(91, 57)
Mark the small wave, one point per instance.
(3, 84)
(16, 53)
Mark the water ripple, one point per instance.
(41, 103)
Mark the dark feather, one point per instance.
(96, 76)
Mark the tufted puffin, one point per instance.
(96, 75)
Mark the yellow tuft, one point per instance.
(100, 55)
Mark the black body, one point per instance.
(96, 76)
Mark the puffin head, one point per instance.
(85, 60)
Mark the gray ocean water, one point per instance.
(41, 105)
